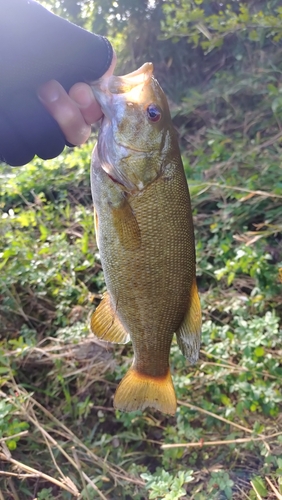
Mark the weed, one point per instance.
(59, 434)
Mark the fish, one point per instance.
(145, 236)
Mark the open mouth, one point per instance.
(126, 83)
(119, 85)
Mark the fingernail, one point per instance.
(49, 92)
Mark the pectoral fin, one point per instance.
(126, 226)
(105, 324)
(189, 333)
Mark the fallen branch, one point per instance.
(243, 190)
(201, 444)
(206, 412)
(19, 434)
(71, 489)
(256, 491)
(278, 495)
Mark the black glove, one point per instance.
(36, 46)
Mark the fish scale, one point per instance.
(146, 241)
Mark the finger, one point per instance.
(82, 94)
(65, 111)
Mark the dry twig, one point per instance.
(265, 194)
(201, 444)
(37, 473)
(274, 489)
(206, 412)
(256, 491)
(19, 434)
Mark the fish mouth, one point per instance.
(105, 89)
(113, 93)
(125, 83)
(107, 92)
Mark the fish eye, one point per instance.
(154, 113)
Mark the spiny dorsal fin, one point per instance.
(189, 333)
(105, 324)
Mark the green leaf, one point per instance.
(84, 243)
(276, 104)
(259, 485)
(44, 231)
(230, 278)
(12, 444)
(253, 36)
(259, 352)
(4, 369)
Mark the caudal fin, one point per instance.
(137, 392)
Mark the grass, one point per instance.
(60, 437)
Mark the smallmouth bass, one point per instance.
(145, 236)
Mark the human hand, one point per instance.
(30, 58)
(75, 111)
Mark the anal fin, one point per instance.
(138, 391)
(105, 324)
(189, 333)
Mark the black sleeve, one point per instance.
(35, 47)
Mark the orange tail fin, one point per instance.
(137, 391)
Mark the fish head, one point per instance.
(136, 135)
